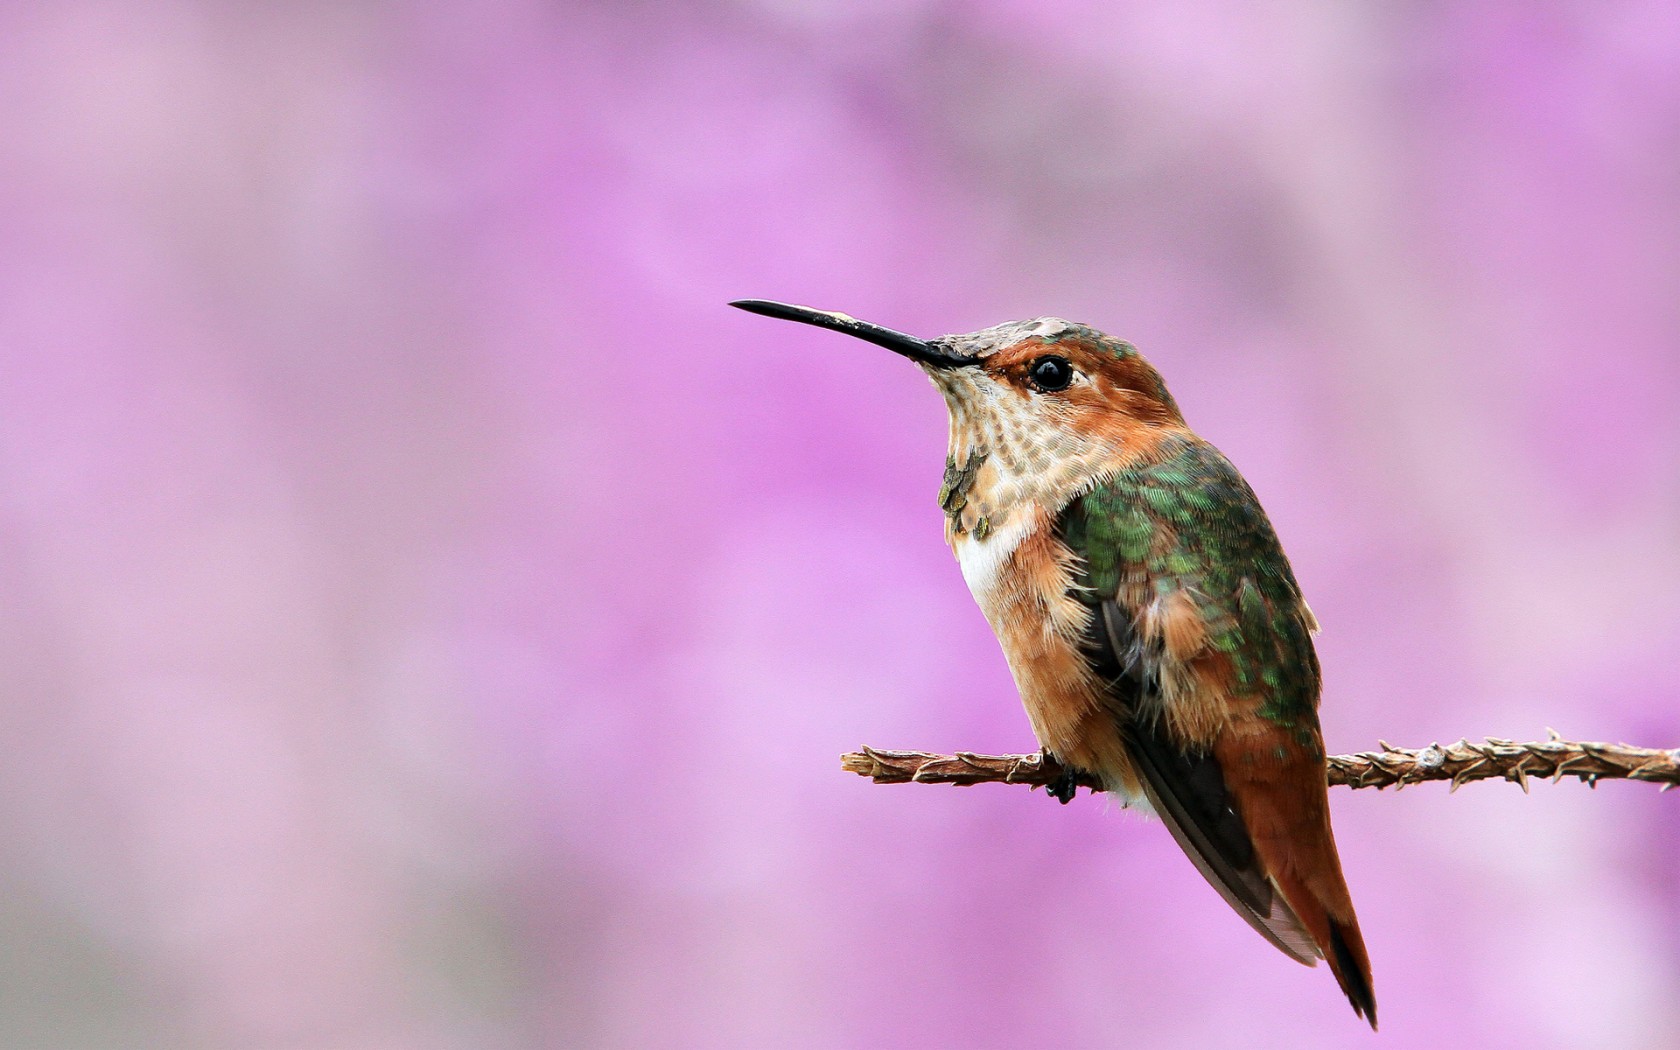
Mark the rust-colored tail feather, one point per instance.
(1286, 810)
(1338, 939)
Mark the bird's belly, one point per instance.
(1022, 585)
(1070, 719)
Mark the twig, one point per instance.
(1392, 766)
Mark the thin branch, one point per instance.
(1392, 766)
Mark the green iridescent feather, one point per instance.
(1187, 521)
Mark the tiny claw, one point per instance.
(1065, 786)
(1062, 789)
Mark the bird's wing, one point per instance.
(1186, 788)
(1202, 642)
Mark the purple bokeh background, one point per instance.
(433, 617)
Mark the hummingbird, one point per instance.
(1153, 626)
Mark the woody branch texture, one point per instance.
(1397, 767)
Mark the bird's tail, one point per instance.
(1329, 920)
(1287, 814)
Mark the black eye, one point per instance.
(1051, 373)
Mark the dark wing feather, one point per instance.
(1187, 790)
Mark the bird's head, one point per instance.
(1045, 395)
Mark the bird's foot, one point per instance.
(1065, 786)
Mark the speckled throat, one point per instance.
(1001, 459)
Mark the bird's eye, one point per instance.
(1051, 374)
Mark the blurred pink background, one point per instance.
(433, 617)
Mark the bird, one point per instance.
(1151, 621)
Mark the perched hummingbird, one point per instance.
(1146, 609)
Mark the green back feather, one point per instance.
(1187, 521)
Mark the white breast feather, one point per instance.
(982, 560)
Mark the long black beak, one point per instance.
(899, 343)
